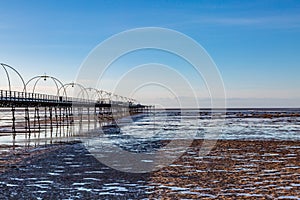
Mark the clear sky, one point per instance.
(255, 44)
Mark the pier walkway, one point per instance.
(30, 111)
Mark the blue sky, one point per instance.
(255, 44)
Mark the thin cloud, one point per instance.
(290, 21)
(273, 20)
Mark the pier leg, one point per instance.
(60, 121)
(88, 113)
(71, 114)
(34, 118)
(45, 116)
(27, 121)
(56, 119)
(38, 118)
(81, 118)
(13, 109)
(51, 122)
(63, 121)
(95, 117)
(67, 116)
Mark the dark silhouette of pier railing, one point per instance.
(31, 111)
(26, 98)
(15, 98)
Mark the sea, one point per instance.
(169, 124)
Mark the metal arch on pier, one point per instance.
(120, 98)
(55, 80)
(115, 97)
(132, 100)
(8, 78)
(98, 92)
(125, 99)
(73, 84)
(106, 95)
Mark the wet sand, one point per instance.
(234, 169)
(11, 156)
(69, 172)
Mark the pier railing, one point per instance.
(15, 96)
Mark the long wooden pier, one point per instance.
(32, 112)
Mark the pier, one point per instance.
(32, 112)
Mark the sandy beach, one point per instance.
(234, 169)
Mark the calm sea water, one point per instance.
(241, 124)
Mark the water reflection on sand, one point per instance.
(256, 156)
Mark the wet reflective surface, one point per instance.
(69, 172)
(233, 169)
(256, 155)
